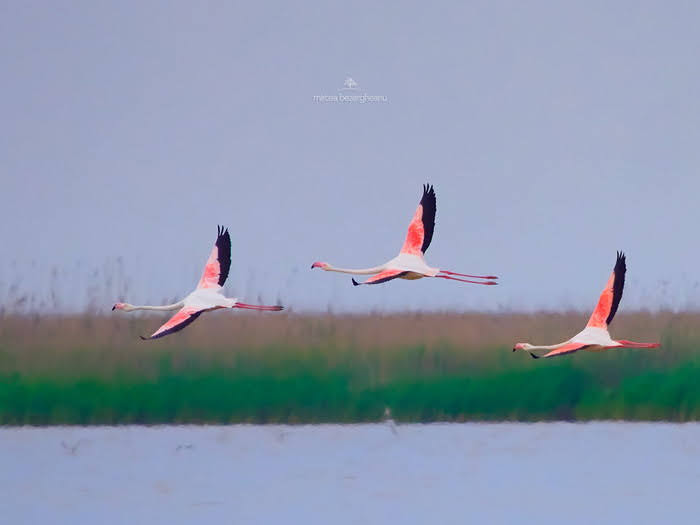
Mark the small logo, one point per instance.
(349, 85)
(350, 92)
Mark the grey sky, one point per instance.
(555, 133)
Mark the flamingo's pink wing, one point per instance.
(219, 262)
(420, 231)
(382, 277)
(180, 320)
(610, 298)
(566, 349)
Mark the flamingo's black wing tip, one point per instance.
(144, 338)
(621, 262)
(354, 282)
(534, 356)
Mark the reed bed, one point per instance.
(93, 369)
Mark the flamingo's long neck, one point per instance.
(362, 271)
(163, 308)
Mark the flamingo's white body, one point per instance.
(410, 262)
(206, 297)
(595, 336)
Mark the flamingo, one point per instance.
(595, 337)
(206, 297)
(410, 262)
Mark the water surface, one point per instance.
(441, 473)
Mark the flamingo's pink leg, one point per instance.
(632, 344)
(258, 307)
(467, 275)
(466, 281)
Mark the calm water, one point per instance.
(451, 473)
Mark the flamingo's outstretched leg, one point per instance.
(467, 275)
(632, 344)
(466, 281)
(258, 307)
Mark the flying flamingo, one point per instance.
(595, 337)
(409, 263)
(206, 297)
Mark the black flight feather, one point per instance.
(618, 285)
(223, 244)
(429, 208)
